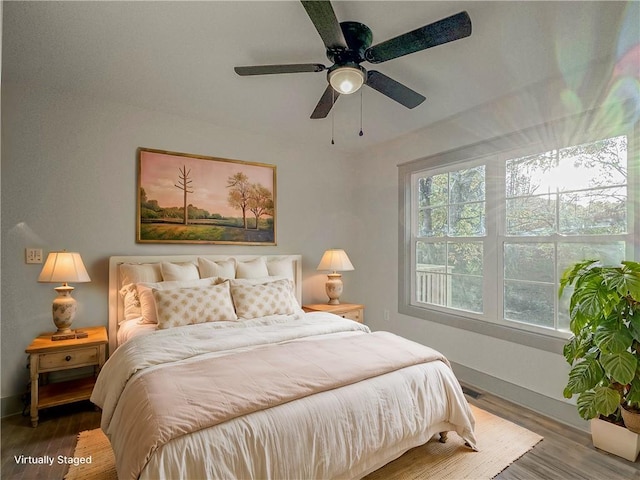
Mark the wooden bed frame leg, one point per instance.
(443, 437)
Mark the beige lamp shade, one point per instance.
(64, 267)
(335, 260)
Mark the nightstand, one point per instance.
(352, 311)
(47, 356)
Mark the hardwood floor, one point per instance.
(55, 435)
(565, 453)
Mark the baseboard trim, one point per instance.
(11, 405)
(549, 407)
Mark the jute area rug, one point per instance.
(500, 443)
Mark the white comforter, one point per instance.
(341, 433)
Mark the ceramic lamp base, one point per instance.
(334, 288)
(64, 310)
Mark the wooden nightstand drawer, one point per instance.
(350, 311)
(353, 315)
(69, 359)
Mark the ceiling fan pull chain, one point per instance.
(333, 101)
(361, 132)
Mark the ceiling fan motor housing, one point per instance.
(358, 37)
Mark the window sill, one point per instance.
(510, 334)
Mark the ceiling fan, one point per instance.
(348, 44)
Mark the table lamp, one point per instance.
(335, 260)
(63, 267)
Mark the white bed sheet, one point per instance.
(134, 328)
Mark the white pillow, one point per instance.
(179, 271)
(131, 302)
(252, 269)
(147, 301)
(139, 272)
(188, 306)
(221, 268)
(281, 268)
(273, 298)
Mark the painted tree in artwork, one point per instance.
(260, 201)
(184, 183)
(239, 193)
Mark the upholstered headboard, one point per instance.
(116, 304)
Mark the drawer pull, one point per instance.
(68, 358)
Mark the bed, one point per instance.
(216, 372)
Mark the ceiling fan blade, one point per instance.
(326, 23)
(394, 90)
(271, 69)
(446, 30)
(326, 102)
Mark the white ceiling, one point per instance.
(178, 57)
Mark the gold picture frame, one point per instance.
(227, 201)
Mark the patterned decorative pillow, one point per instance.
(148, 302)
(273, 298)
(221, 268)
(179, 271)
(187, 306)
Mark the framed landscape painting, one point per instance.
(184, 198)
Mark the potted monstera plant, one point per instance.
(604, 351)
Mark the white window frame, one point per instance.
(494, 154)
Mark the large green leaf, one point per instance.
(578, 347)
(613, 341)
(620, 366)
(570, 274)
(570, 350)
(599, 401)
(606, 400)
(626, 280)
(586, 405)
(588, 298)
(578, 321)
(585, 375)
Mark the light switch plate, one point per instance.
(33, 255)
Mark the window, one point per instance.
(450, 210)
(487, 238)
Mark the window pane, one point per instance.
(431, 286)
(434, 254)
(432, 222)
(466, 293)
(466, 220)
(433, 190)
(593, 212)
(524, 175)
(465, 258)
(467, 185)
(595, 164)
(529, 303)
(531, 215)
(610, 253)
(529, 261)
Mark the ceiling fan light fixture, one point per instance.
(346, 80)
